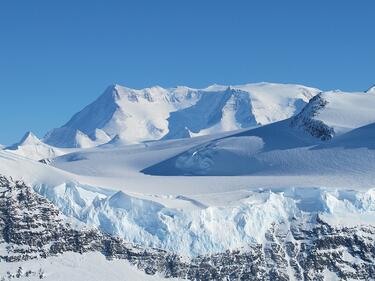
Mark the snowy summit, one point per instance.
(155, 113)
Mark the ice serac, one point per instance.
(30, 146)
(148, 114)
(320, 140)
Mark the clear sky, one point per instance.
(58, 56)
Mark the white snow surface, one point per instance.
(135, 116)
(30, 171)
(77, 267)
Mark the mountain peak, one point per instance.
(30, 146)
(29, 139)
(371, 90)
(147, 114)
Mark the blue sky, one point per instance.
(58, 56)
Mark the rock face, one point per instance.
(305, 120)
(32, 228)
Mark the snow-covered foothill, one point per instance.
(31, 171)
(30, 146)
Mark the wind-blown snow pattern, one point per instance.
(153, 113)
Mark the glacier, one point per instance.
(198, 230)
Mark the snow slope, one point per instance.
(259, 153)
(33, 148)
(77, 267)
(31, 171)
(270, 156)
(362, 137)
(136, 116)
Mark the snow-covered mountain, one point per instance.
(30, 146)
(134, 116)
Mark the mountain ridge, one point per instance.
(132, 116)
(30, 146)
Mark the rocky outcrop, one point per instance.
(31, 228)
(305, 120)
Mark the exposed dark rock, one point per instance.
(305, 120)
